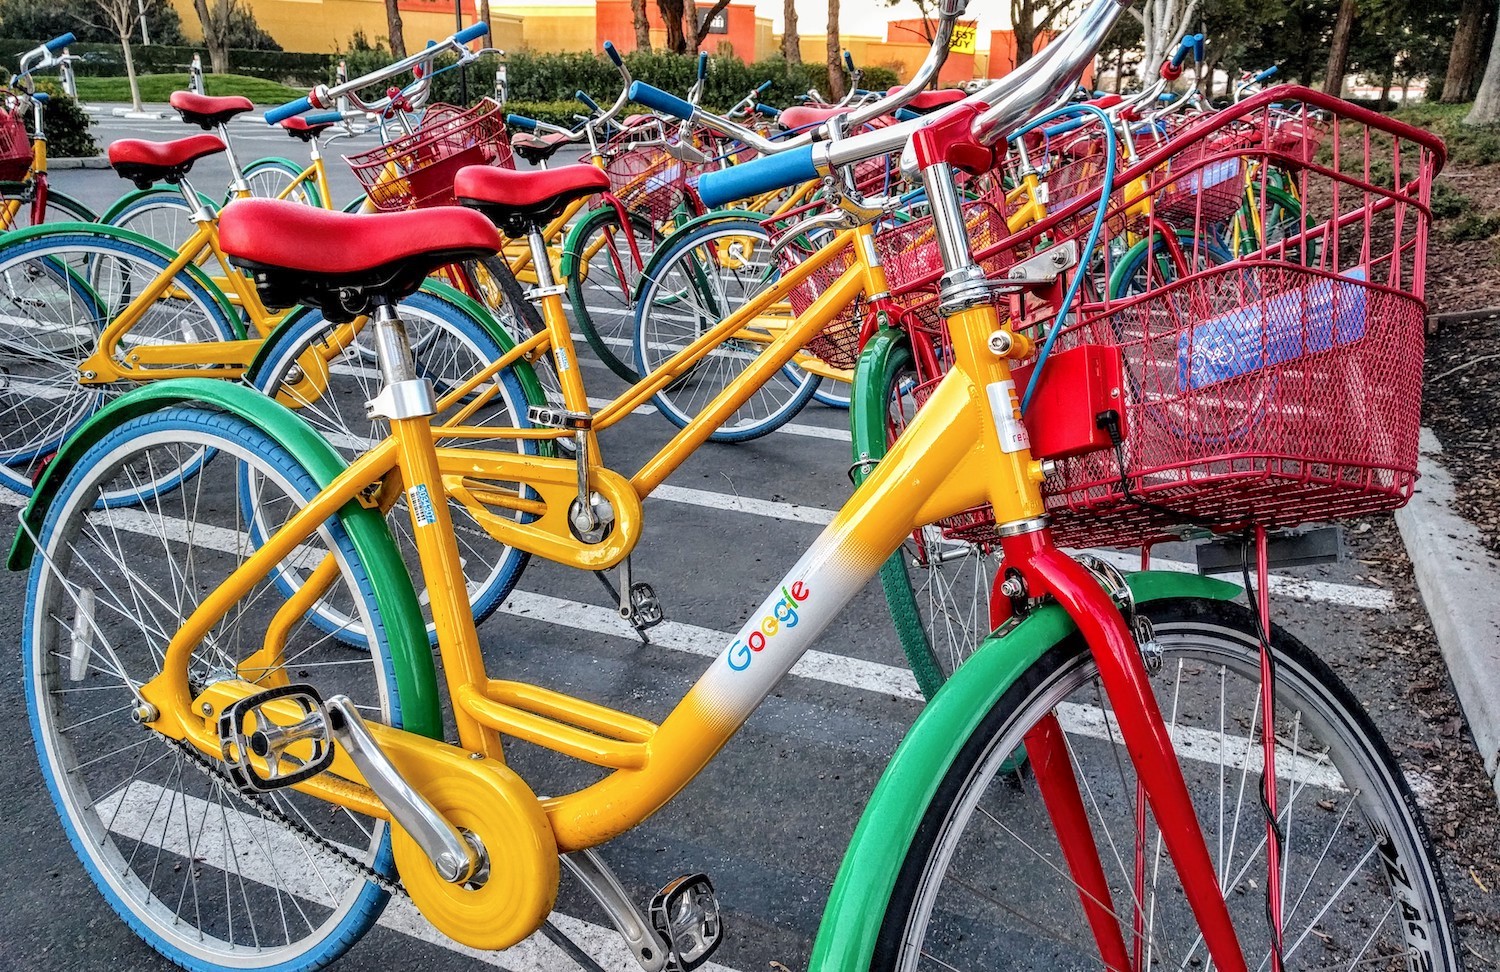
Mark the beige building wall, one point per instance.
(868, 51)
(325, 26)
(552, 27)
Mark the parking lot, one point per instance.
(769, 819)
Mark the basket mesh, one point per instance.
(15, 147)
(417, 170)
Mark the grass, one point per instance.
(1467, 144)
(156, 88)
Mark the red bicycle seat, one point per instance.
(297, 127)
(801, 116)
(515, 200)
(347, 262)
(206, 112)
(144, 162)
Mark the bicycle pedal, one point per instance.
(686, 914)
(557, 418)
(290, 729)
(644, 607)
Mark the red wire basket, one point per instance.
(908, 252)
(15, 147)
(1272, 331)
(649, 181)
(417, 170)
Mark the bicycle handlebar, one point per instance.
(764, 174)
(614, 55)
(420, 63)
(58, 43)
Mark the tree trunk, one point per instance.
(695, 23)
(791, 41)
(642, 25)
(135, 88)
(835, 69)
(482, 11)
(1338, 48)
(1023, 28)
(671, 15)
(394, 32)
(213, 38)
(1486, 110)
(1463, 59)
(1119, 69)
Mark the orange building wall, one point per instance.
(613, 22)
(957, 69)
(1003, 54)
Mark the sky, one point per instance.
(869, 16)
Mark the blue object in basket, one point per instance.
(1273, 330)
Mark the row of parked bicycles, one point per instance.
(282, 460)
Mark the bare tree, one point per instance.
(214, 17)
(835, 68)
(1463, 59)
(642, 25)
(671, 15)
(695, 24)
(1338, 48)
(393, 28)
(791, 41)
(1163, 23)
(1486, 110)
(1030, 19)
(482, 11)
(121, 16)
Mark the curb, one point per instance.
(96, 162)
(1458, 579)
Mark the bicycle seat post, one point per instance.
(237, 185)
(404, 394)
(199, 211)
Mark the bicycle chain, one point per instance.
(221, 780)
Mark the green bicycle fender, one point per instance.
(570, 253)
(525, 374)
(309, 184)
(867, 418)
(867, 410)
(231, 314)
(161, 188)
(411, 654)
(74, 202)
(867, 877)
(531, 386)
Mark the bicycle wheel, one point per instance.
(602, 277)
(329, 387)
(208, 877)
(984, 883)
(159, 213)
(694, 282)
(63, 288)
(269, 178)
(937, 589)
(490, 281)
(59, 208)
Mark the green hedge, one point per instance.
(67, 124)
(107, 60)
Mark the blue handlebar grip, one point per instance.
(281, 113)
(324, 118)
(57, 43)
(658, 100)
(906, 114)
(593, 105)
(768, 111)
(1266, 73)
(849, 62)
(765, 174)
(522, 122)
(1181, 53)
(614, 55)
(472, 33)
(1198, 42)
(702, 65)
(764, 87)
(1063, 128)
(41, 97)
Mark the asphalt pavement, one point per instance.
(769, 819)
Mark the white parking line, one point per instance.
(136, 814)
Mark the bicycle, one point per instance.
(1067, 678)
(26, 196)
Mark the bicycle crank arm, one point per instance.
(457, 857)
